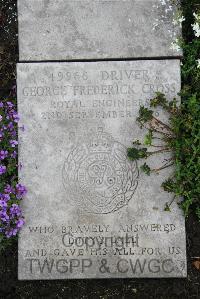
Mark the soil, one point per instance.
(11, 288)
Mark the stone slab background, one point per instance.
(88, 29)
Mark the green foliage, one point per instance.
(188, 154)
(183, 140)
(198, 212)
(169, 185)
(190, 72)
(145, 115)
(145, 168)
(167, 208)
(135, 153)
(148, 138)
(159, 100)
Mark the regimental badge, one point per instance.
(97, 175)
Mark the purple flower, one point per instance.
(2, 169)
(9, 189)
(4, 216)
(20, 222)
(13, 133)
(6, 197)
(10, 126)
(3, 154)
(15, 210)
(11, 219)
(20, 191)
(13, 143)
(3, 203)
(10, 233)
(13, 154)
(9, 104)
(16, 117)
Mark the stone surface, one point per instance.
(89, 211)
(88, 29)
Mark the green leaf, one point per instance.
(167, 208)
(146, 169)
(136, 154)
(148, 138)
(145, 115)
(159, 100)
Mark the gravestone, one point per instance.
(88, 208)
(88, 29)
(90, 212)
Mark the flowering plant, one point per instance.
(11, 192)
(180, 134)
(179, 43)
(196, 25)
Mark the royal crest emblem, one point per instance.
(98, 176)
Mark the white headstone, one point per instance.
(90, 212)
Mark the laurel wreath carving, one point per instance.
(84, 196)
